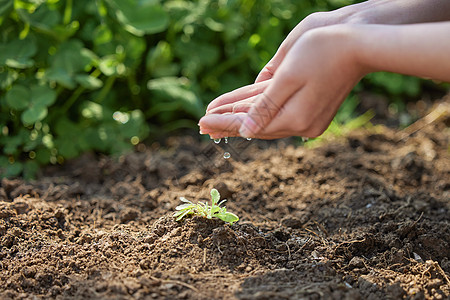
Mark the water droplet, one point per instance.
(226, 140)
(305, 139)
(226, 155)
(249, 139)
(217, 141)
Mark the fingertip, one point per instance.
(249, 128)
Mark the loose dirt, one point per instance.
(366, 216)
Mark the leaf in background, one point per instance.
(18, 53)
(42, 95)
(61, 76)
(30, 168)
(35, 100)
(70, 58)
(42, 18)
(135, 126)
(196, 55)
(7, 78)
(13, 169)
(159, 61)
(92, 110)
(5, 7)
(176, 89)
(88, 82)
(68, 137)
(140, 17)
(16, 141)
(33, 114)
(18, 97)
(111, 66)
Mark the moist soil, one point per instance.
(364, 216)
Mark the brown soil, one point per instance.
(362, 217)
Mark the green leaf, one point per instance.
(88, 82)
(110, 65)
(7, 78)
(228, 217)
(135, 126)
(215, 196)
(140, 17)
(14, 169)
(5, 7)
(177, 89)
(61, 76)
(182, 214)
(34, 113)
(30, 169)
(14, 142)
(18, 53)
(71, 57)
(92, 110)
(18, 97)
(42, 95)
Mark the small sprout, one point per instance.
(205, 210)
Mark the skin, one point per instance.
(300, 90)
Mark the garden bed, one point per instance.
(366, 216)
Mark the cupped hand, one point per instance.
(300, 99)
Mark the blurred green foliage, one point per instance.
(104, 75)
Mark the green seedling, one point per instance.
(207, 211)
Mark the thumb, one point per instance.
(266, 107)
(271, 101)
(269, 69)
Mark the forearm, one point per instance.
(419, 49)
(396, 12)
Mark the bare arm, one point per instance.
(421, 50)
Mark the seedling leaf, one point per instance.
(228, 217)
(215, 196)
(204, 210)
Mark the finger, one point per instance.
(269, 103)
(304, 114)
(296, 116)
(243, 107)
(221, 125)
(238, 95)
(272, 66)
(269, 69)
(233, 107)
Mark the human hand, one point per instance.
(312, 21)
(242, 99)
(300, 99)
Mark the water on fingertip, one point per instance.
(217, 141)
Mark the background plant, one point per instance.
(105, 75)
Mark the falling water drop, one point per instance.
(226, 140)
(217, 141)
(226, 155)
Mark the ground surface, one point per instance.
(363, 217)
